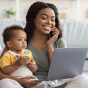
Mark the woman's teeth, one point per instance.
(47, 27)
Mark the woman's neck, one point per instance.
(39, 41)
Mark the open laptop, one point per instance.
(66, 63)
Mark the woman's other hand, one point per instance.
(26, 83)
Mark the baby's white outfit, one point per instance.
(22, 71)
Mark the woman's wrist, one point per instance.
(49, 44)
(50, 51)
(50, 47)
(19, 81)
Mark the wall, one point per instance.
(61, 4)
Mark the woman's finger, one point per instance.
(54, 29)
(55, 33)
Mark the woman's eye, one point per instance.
(19, 39)
(43, 18)
(52, 20)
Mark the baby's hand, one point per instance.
(21, 61)
(31, 63)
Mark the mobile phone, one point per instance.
(51, 33)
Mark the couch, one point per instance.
(75, 33)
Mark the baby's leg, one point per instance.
(9, 83)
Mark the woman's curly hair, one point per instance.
(31, 15)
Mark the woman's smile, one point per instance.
(48, 27)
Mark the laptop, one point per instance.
(66, 63)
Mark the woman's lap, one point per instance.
(80, 81)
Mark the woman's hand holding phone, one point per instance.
(50, 42)
(53, 36)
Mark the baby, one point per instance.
(11, 62)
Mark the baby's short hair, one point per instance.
(8, 32)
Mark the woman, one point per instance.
(44, 33)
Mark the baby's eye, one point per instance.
(19, 39)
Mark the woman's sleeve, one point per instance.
(60, 43)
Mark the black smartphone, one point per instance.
(51, 33)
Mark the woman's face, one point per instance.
(45, 21)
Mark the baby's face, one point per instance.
(18, 41)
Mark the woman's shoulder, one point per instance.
(59, 43)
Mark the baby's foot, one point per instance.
(40, 85)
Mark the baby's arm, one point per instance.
(11, 68)
(33, 67)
